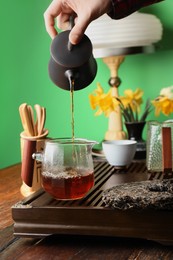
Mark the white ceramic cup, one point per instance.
(119, 153)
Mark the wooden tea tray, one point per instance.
(40, 215)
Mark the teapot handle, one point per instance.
(70, 45)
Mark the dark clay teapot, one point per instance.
(71, 62)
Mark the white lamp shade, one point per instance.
(115, 37)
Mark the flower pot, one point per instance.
(135, 130)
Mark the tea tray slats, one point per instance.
(41, 215)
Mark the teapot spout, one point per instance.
(70, 75)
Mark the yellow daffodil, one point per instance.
(94, 99)
(132, 99)
(164, 105)
(130, 103)
(164, 102)
(104, 102)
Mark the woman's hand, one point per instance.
(84, 12)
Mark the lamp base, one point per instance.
(115, 135)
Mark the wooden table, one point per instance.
(64, 246)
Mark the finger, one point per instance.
(49, 23)
(63, 21)
(49, 17)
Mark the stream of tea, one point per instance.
(72, 182)
(72, 107)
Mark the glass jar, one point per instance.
(154, 157)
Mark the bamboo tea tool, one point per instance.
(33, 131)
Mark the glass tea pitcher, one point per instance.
(67, 168)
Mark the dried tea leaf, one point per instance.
(140, 195)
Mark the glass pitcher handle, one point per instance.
(37, 156)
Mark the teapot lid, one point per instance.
(77, 56)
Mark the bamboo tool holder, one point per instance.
(31, 169)
(115, 129)
(32, 140)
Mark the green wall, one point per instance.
(24, 55)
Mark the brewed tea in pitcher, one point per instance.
(67, 168)
(70, 184)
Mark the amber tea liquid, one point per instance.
(68, 186)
